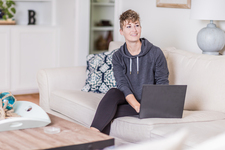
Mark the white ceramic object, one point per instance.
(32, 116)
(211, 39)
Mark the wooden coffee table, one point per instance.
(71, 136)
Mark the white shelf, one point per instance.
(102, 28)
(44, 9)
(100, 10)
(102, 4)
(28, 26)
(32, 0)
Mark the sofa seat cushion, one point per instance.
(76, 104)
(198, 131)
(145, 129)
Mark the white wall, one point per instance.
(164, 27)
(72, 16)
(82, 27)
(64, 18)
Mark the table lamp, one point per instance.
(210, 39)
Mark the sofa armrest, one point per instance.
(59, 78)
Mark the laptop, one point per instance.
(162, 101)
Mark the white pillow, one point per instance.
(171, 142)
(215, 143)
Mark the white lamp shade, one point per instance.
(208, 9)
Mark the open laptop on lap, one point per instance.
(162, 101)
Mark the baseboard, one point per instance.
(27, 91)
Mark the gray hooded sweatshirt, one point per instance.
(131, 72)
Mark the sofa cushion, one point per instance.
(78, 105)
(172, 142)
(143, 129)
(214, 143)
(100, 77)
(199, 131)
(115, 45)
(204, 75)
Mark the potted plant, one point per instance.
(8, 9)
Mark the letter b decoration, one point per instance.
(31, 17)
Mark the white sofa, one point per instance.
(204, 117)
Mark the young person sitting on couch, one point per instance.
(135, 63)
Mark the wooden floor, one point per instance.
(34, 98)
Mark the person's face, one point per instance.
(131, 31)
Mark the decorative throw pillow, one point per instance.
(100, 77)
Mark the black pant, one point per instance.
(112, 105)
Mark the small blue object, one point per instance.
(7, 98)
(4, 94)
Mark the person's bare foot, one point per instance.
(92, 128)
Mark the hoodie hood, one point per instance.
(145, 48)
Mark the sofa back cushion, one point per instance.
(204, 75)
(115, 45)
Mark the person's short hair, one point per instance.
(130, 16)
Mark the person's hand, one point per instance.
(133, 102)
(137, 108)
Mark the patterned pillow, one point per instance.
(100, 77)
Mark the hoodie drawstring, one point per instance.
(137, 65)
(130, 65)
